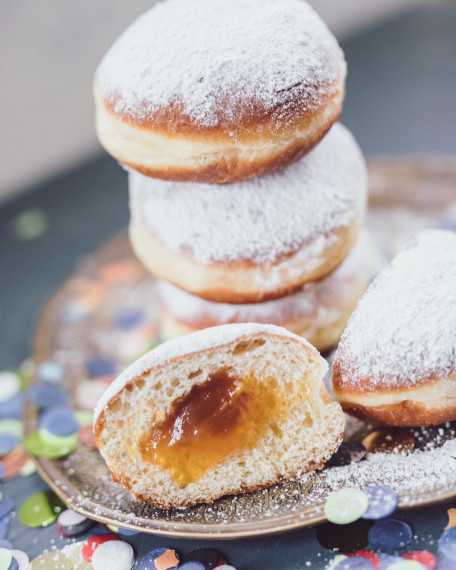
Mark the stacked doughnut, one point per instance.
(247, 198)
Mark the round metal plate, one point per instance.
(82, 320)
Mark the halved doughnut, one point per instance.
(226, 410)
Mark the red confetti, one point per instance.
(367, 554)
(423, 556)
(92, 543)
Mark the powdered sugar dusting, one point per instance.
(194, 342)
(314, 298)
(404, 328)
(263, 218)
(221, 60)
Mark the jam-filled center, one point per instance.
(207, 424)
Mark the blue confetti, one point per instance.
(12, 408)
(6, 506)
(59, 420)
(354, 563)
(5, 544)
(390, 535)
(97, 366)
(447, 543)
(192, 565)
(385, 560)
(382, 502)
(128, 319)
(147, 563)
(47, 396)
(50, 372)
(8, 442)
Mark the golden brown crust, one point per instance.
(403, 414)
(431, 401)
(241, 281)
(169, 146)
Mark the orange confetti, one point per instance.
(14, 461)
(451, 519)
(167, 560)
(125, 270)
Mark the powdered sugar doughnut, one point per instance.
(318, 312)
(204, 91)
(396, 362)
(257, 239)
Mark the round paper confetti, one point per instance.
(87, 437)
(97, 366)
(84, 417)
(113, 555)
(92, 543)
(192, 565)
(49, 446)
(348, 452)
(390, 535)
(209, 557)
(21, 558)
(371, 556)
(8, 442)
(46, 396)
(10, 385)
(5, 558)
(89, 392)
(12, 408)
(382, 502)
(41, 510)
(444, 564)
(74, 552)
(29, 224)
(407, 565)
(71, 523)
(6, 506)
(346, 506)
(355, 563)
(160, 559)
(11, 426)
(59, 420)
(385, 560)
(50, 372)
(52, 561)
(128, 318)
(447, 543)
(423, 556)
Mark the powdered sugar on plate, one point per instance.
(222, 60)
(404, 328)
(194, 342)
(261, 219)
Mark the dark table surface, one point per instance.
(401, 98)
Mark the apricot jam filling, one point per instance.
(211, 421)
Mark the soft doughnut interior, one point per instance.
(260, 411)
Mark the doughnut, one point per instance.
(257, 239)
(318, 312)
(396, 361)
(204, 91)
(225, 410)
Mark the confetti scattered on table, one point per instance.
(346, 506)
(29, 224)
(113, 555)
(41, 509)
(382, 501)
(209, 558)
(390, 535)
(451, 518)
